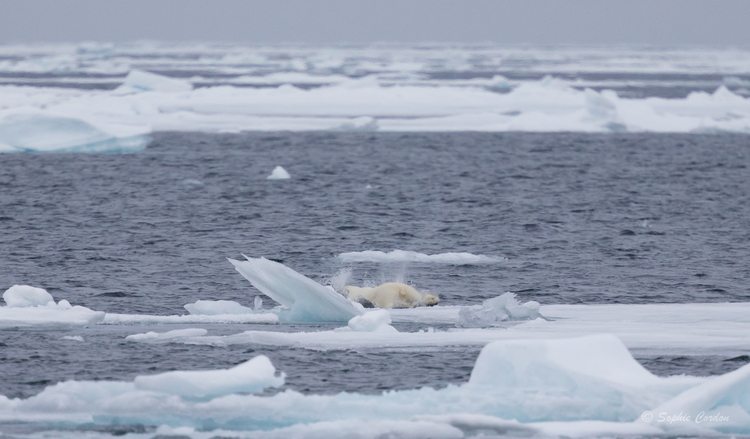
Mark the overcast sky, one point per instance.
(721, 23)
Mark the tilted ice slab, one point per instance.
(31, 307)
(588, 386)
(307, 300)
(53, 119)
(397, 256)
(682, 329)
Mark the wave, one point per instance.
(397, 256)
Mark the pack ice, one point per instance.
(59, 119)
(588, 386)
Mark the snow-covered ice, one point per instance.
(587, 386)
(400, 256)
(372, 321)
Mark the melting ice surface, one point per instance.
(110, 99)
(578, 387)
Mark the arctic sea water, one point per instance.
(611, 214)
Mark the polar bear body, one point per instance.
(391, 295)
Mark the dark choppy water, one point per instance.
(583, 218)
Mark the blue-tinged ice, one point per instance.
(587, 386)
(306, 300)
(43, 133)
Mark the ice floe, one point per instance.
(587, 386)
(251, 376)
(147, 319)
(400, 256)
(31, 307)
(680, 329)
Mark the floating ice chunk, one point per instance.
(251, 376)
(19, 296)
(166, 337)
(279, 173)
(307, 300)
(72, 338)
(412, 256)
(217, 307)
(258, 303)
(496, 310)
(139, 81)
(43, 133)
(372, 321)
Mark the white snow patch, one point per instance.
(395, 256)
(279, 173)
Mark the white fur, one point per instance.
(391, 295)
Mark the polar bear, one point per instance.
(391, 295)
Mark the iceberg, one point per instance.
(306, 300)
(587, 386)
(401, 256)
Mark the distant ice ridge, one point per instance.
(64, 120)
(412, 256)
(588, 386)
(29, 306)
